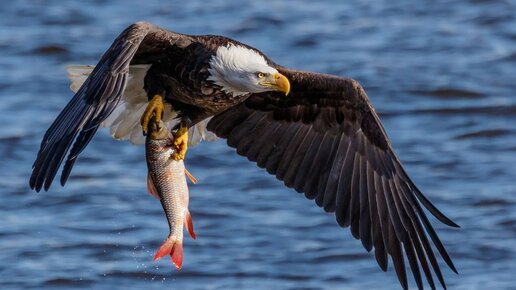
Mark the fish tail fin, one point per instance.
(177, 255)
(164, 250)
(189, 224)
(174, 249)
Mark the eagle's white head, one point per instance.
(240, 70)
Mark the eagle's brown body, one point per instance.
(324, 139)
(180, 72)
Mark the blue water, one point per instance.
(440, 73)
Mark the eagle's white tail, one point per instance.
(124, 121)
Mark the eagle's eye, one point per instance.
(260, 75)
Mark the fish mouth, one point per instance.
(157, 130)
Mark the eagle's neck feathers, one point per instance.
(233, 68)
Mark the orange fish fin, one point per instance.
(164, 250)
(174, 249)
(189, 224)
(177, 255)
(151, 188)
(191, 177)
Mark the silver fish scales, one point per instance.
(166, 180)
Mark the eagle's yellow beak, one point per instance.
(280, 83)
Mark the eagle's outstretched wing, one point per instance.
(326, 141)
(96, 99)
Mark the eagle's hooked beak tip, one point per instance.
(282, 84)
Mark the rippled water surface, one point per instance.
(442, 74)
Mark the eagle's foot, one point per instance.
(154, 108)
(181, 143)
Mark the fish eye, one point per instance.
(260, 75)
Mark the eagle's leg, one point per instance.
(155, 107)
(181, 143)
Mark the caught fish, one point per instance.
(166, 180)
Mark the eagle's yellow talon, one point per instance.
(155, 107)
(181, 143)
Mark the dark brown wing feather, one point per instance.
(95, 100)
(326, 141)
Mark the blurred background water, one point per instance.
(442, 75)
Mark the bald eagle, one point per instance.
(317, 133)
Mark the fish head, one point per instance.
(157, 130)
